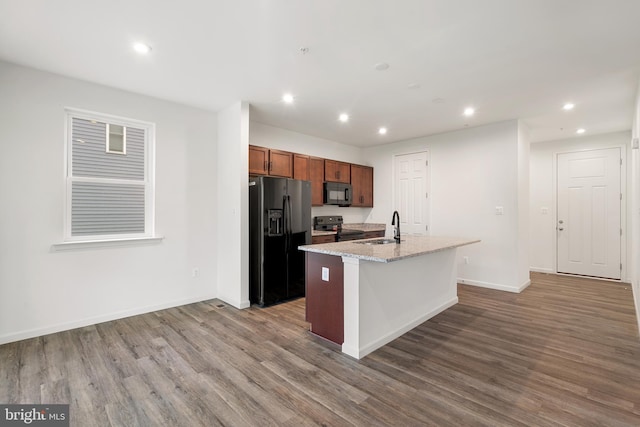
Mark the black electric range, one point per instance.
(334, 223)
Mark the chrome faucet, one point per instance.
(395, 220)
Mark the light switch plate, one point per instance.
(499, 210)
(325, 274)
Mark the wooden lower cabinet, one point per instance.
(373, 234)
(329, 238)
(325, 299)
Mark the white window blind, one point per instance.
(109, 193)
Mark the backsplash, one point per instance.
(350, 215)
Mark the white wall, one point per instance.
(543, 195)
(471, 171)
(43, 291)
(233, 205)
(283, 139)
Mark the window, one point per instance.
(110, 184)
(116, 139)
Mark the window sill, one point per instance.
(106, 243)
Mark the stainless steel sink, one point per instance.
(376, 242)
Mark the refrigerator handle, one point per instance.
(289, 229)
(284, 223)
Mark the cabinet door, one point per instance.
(335, 171)
(356, 184)
(325, 299)
(316, 175)
(258, 160)
(281, 163)
(367, 186)
(362, 183)
(301, 167)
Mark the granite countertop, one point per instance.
(410, 246)
(322, 233)
(353, 226)
(365, 226)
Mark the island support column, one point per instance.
(382, 301)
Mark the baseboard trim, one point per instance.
(38, 332)
(542, 270)
(496, 286)
(636, 298)
(369, 348)
(235, 303)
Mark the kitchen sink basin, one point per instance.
(377, 242)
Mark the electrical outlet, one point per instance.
(325, 274)
(465, 259)
(195, 272)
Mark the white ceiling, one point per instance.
(508, 58)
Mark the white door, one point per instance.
(589, 199)
(411, 186)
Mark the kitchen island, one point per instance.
(362, 295)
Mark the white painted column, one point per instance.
(233, 205)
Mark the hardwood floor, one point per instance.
(563, 352)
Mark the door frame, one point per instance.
(623, 209)
(393, 179)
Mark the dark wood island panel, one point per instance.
(325, 299)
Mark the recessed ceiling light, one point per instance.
(382, 131)
(381, 66)
(568, 106)
(287, 98)
(437, 101)
(413, 86)
(580, 131)
(142, 48)
(344, 117)
(469, 111)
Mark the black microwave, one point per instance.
(337, 193)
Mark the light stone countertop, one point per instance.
(322, 233)
(410, 246)
(353, 226)
(365, 226)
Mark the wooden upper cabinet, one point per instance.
(281, 163)
(301, 167)
(335, 171)
(258, 160)
(263, 161)
(316, 176)
(362, 183)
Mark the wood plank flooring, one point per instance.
(563, 352)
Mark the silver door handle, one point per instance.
(560, 228)
(561, 222)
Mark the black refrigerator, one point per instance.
(279, 222)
